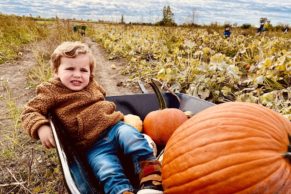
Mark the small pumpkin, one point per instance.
(233, 147)
(160, 124)
(134, 121)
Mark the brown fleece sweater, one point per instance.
(84, 114)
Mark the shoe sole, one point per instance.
(149, 191)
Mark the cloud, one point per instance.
(203, 12)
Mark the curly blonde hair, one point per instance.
(71, 50)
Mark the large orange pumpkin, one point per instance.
(233, 147)
(160, 124)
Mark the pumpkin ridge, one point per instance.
(240, 116)
(281, 169)
(203, 144)
(271, 173)
(288, 174)
(214, 182)
(203, 162)
(208, 120)
(190, 180)
(251, 156)
(215, 129)
(186, 125)
(175, 159)
(267, 120)
(260, 110)
(267, 113)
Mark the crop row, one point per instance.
(201, 62)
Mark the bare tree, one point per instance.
(168, 17)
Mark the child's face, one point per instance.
(74, 73)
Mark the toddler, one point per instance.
(91, 122)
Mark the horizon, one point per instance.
(150, 11)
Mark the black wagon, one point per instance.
(77, 174)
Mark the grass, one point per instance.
(16, 31)
(13, 112)
(40, 72)
(25, 166)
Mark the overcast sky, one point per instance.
(185, 11)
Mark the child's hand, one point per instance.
(46, 137)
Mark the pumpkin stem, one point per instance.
(161, 99)
(288, 153)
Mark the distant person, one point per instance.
(75, 28)
(81, 29)
(261, 28)
(227, 32)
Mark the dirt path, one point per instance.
(13, 84)
(108, 72)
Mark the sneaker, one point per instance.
(151, 184)
(150, 178)
(149, 191)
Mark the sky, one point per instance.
(185, 11)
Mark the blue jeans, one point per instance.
(103, 159)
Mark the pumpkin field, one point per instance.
(198, 61)
(201, 62)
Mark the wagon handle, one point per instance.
(142, 88)
(165, 87)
